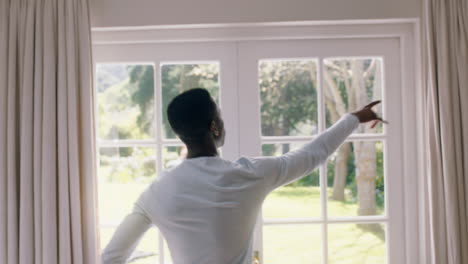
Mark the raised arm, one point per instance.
(293, 165)
(126, 237)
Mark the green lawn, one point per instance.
(283, 244)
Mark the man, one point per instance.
(206, 207)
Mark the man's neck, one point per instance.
(202, 150)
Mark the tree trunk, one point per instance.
(336, 108)
(341, 169)
(366, 172)
(364, 152)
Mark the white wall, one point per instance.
(107, 13)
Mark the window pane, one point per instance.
(173, 156)
(125, 101)
(289, 97)
(299, 199)
(177, 78)
(356, 243)
(292, 244)
(350, 84)
(146, 251)
(356, 180)
(123, 174)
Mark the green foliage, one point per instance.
(379, 181)
(268, 149)
(142, 76)
(118, 114)
(126, 164)
(288, 95)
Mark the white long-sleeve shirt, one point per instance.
(206, 207)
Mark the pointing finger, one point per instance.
(372, 104)
(381, 120)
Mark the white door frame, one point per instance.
(251, 52)
(407, 33)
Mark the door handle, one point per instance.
(256, 259)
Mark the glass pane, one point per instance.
(356, 179)
(123, 175)
(177, 78)
(125, 95)
(124, 172)
(173, 156)
(146, 251)
(292, 244)
(350, 84)
(296, 200)
(288, 92)
(356, 243)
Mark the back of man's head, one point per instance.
(190, 115)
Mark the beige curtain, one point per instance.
(47, 196)
(446, 118)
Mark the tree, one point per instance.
(351, 84)
(288, 99)
(143, 96)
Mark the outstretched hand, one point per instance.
(366, 114)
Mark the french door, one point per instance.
(134, 84)
(349, 210)
(275, 95)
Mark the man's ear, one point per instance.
(214, 128)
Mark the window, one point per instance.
(354, 175)
(275, 95)
(127, 157)
(133, 145)
(348, 202)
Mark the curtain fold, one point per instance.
(47, 160)
(446, 120)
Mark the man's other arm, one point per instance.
(126, 237)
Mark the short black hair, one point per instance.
(190, 114)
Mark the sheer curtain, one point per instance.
(446, 119)
(47, 196)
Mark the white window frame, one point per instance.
(141, 54)
(251, 52)
(107, 40)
